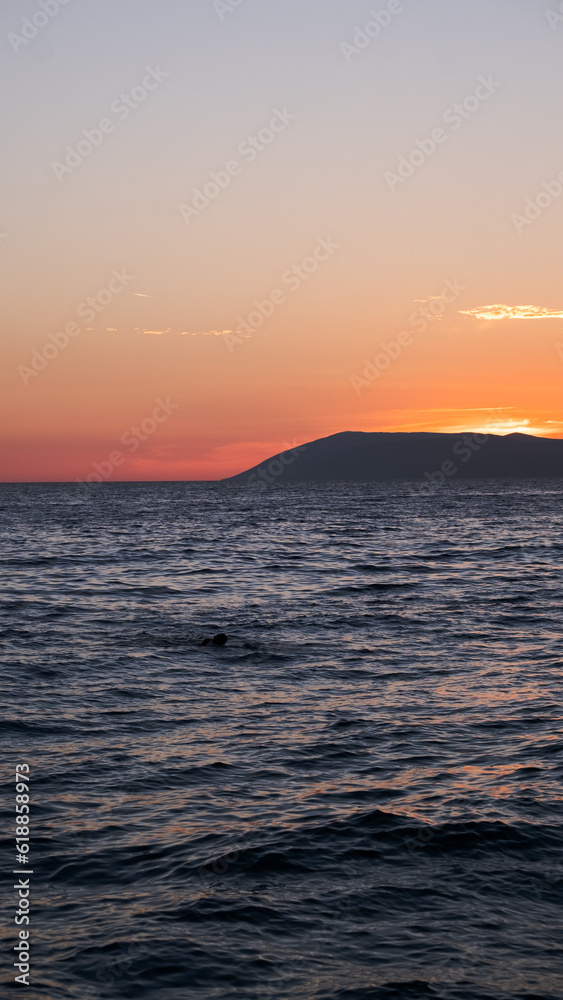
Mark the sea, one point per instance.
(358, 797)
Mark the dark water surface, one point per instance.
(359, 797)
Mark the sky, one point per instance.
(227, 228)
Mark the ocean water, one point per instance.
(358, 797)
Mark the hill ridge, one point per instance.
(369, 456)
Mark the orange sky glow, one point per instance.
(215, 280)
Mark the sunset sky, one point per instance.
(374, 179)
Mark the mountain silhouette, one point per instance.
(354, 456)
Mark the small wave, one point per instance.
(370, 587)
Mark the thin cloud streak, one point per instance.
(182, 333)
(206, 333)
(499, 312)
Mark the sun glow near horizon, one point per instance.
(474, 420)
(504, 428)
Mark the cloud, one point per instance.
(498, 312)
(142, 295)
(205, 333)
(502, 426)
(182, 333)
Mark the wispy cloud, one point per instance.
(498, 312)
(205, 333)
(142, 295)
(429, 298)
(468, 409)
(183, 333)
(493, 426)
